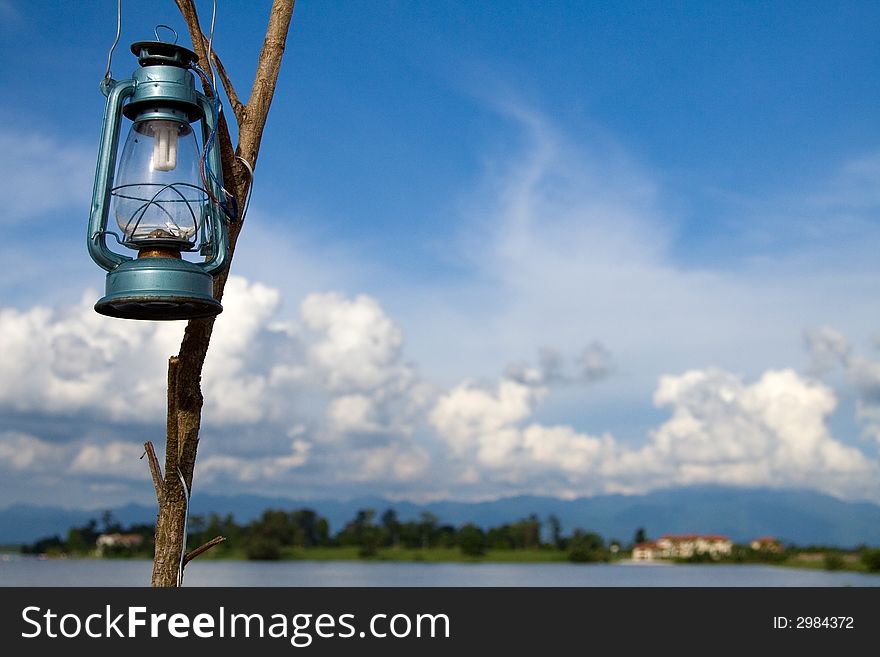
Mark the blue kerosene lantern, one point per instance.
(162, 201)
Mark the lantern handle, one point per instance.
(219, 235)
(170, 29)
(116, 92)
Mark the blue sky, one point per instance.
(494, 248)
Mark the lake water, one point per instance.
(29, 571)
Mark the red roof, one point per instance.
(677, 538)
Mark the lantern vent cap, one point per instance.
(162, 53)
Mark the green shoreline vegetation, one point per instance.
(305, 535)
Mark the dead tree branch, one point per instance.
(191, 17)
(192, 554)
(155, 469)
(185, 398)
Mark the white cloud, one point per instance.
(350, 414)
(249, 470)
(80, 458)
(488, 444)
(235, 377)
(23, 452)
(400, 463)
(357, 345)
(355, 413)
(477, 422)
(770, 433)
(331, 378)
(113, 459)
(73, 360)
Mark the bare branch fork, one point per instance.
(185, 370)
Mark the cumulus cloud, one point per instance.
(356, 345)
(333, 403)
(772, 433)
(353, 414)
(73, 360)
(398, 464)
(70, 361)
(247, 470)
(115, 459)
(80, 458)
(25, 453)
(329, 387)
(481, 424)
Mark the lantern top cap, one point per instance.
(161, 53)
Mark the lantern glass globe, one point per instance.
(158, 197)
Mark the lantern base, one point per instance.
(159, 289)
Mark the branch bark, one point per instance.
(185, 398)
(192, 554)
(263, 89)
(155, 469)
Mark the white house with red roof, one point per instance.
(130, 541)
(766, 544)
(683, 546)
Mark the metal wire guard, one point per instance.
(191, 196)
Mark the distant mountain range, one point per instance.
(794, 516)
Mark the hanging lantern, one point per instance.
(161, 201)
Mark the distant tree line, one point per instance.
(267, 537)
(278, 533)
(276, 530)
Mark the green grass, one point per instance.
(431, 555)
(850, 563)
(801, 560)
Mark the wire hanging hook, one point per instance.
(116, 40)
(210, 45)
(167, 27)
